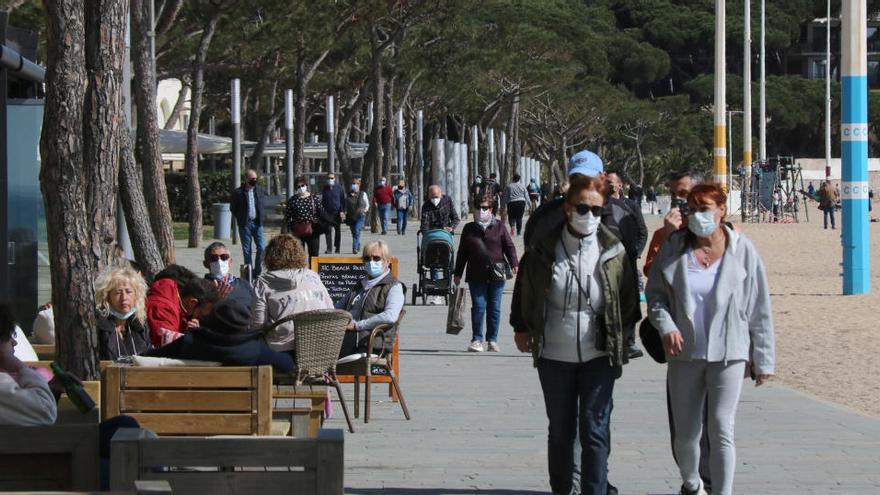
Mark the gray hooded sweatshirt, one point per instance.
(281, 293)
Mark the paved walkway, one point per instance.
(478, 423)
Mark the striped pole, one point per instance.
(854, 145)
(720, 169)
(747, 96)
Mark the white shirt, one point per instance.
(570, 329)
(23, 350)
(701, 285)
(252, 205)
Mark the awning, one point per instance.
(173, 142)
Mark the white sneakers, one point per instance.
(477, 346)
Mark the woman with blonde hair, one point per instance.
(121, 294)
(286, 287)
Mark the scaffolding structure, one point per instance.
(775, 192)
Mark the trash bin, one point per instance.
(222, 220)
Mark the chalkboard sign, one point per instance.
(340, 274)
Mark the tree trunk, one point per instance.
(178, 106)
(149, 156)
(63, 179)
(376, 154)
(193, 188)
(260, 148)
(390, 135)
(132, 193)
(299, 125)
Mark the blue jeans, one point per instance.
(828, 212)
(252, 232)
(401, 221)
(485, 301)
(384, 215)
(578, 401)
(356, 228)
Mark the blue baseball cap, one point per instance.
(586, 163)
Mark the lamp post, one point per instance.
(747, 96)
(236, 143)
(288, 139)
(762, 89)
(720, 164)
(854, 148)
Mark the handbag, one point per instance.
(499, 271)
(651, 340)
(302, 230)
(455, 316)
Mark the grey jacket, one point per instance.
(515, 191)
(741, 315)
(281, 293)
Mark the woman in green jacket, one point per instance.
(583, 294)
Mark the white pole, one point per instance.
(288, 139)
(747, 98)
(720, 168)
(446, 181)
(401, 155)
(331, 136)
(420, 159)
(438, 163)
(828, 91)
(235, 91)
(762, 92)
(503, 162)
(491, 148)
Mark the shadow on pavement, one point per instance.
(438, 491)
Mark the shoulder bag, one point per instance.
(498, 270)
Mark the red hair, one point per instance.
(702, 194)
(579, 182)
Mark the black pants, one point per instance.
(334, 233)
(515, 210)
(312, 244)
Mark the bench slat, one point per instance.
(188, 378)
(230, 452)
(185, 400)
(195, 423)
(263, 483)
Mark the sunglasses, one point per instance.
(218, 257)
(582, 209)
(372, 258)
(485, 208)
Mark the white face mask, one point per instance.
(585, 224)
(484, 216)
(219, 268)
(435, 201)
(301, 190)
(381, 182)
(702, 223)
(330, 182)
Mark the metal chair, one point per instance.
(383, 361)
(318, 340)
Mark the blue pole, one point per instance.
(854, 146)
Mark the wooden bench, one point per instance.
(46, 352)
(191, 401)
(286, 389)
(224, 465)
(58, 457)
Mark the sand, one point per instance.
(827, 344)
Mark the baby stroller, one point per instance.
(436, 257)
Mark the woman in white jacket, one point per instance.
(25, 397)
(708, 297)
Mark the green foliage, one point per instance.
(215, 189)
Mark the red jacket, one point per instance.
(383, 195)
(165, 315)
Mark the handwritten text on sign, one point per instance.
(340, 274)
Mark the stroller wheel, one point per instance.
(415, 293)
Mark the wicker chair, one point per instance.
(318, 340)
(364, 368)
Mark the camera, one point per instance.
(681, 204)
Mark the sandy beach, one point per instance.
(826, 344)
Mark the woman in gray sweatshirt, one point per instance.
(708, 297)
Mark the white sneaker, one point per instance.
(493, 347)
(476, 346)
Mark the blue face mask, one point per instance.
(121, 316)
(374, 268)
(354, 187)
(702, 223)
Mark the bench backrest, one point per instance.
(46, 352)
(223, 465)
(191, 401)
(43, 458)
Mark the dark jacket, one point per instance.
(333, 199)
(630, 228)
(439, 217)
(619, 287)
(374, 304)
(239, 205)
(135, 339)
(239, 349)
(498, 247)
(242, 292)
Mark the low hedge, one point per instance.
(215, 187)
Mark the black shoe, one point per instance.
(328, 251)
(337, 250)
(384, 233)
(634, 352)
(698, 491)
(612, 490)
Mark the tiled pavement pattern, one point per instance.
(478, 423)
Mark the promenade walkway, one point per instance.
(478, 423)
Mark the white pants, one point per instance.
(689, 383)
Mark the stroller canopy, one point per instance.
(438, 235)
